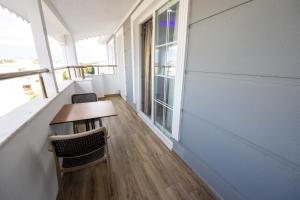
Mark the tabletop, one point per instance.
(83, 111)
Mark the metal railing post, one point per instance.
(82, 71)
(75, 73)
(69, 73)
(42, 84)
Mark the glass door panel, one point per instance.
(165, 59)
(169, 91)
(168, 119)
(159, 60)
(171, 60)
(173, 20)
(161, 27)
(159, 90)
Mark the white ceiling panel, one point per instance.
(88, 18)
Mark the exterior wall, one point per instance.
(241, 105)
(128, 62)
(27, 169)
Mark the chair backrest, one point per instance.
(80, 144)
(82, 98)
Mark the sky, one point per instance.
(91, 50)
(16, 42)
(16, 39)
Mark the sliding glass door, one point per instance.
(165, 53)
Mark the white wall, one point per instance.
(84, 86)
(104, 84)
(27, 169)
(111, 85)
(98, 85)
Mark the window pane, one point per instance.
(172, 22)
(165, 60)
(161, 28)
(171, 60)
(158, 114)
(159, 88)
(170, 91)
(168, 119)
(159, 60)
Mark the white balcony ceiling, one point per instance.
(83, 18)
(88, 18)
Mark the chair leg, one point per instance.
(59, 179)
(60, 185)
(87, 125)
(93, 123)
(75, 129)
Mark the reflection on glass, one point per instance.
(159, 60)
(161, 28)
(165, 58)
(170, 91)
(171, 60)
(158, 117)
(168, 120)
(172, 18)
(159, 88)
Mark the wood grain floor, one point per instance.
(142, 167)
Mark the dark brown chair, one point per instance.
(77, 151)
(83, 98)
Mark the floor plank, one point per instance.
(142, 167)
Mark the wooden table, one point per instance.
(84, 111)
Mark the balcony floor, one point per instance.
(142, 167)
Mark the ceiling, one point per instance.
(89, 18)
(83, 18)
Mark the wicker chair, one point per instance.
(83, 98)
(77, 151)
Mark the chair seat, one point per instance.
(82, 160)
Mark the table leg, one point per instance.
(93, 123)
(87, 125)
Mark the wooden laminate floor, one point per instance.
(142, 167)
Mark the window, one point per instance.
(17, 53)
(165, 54)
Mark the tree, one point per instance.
(65, 76)
(90, 69)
